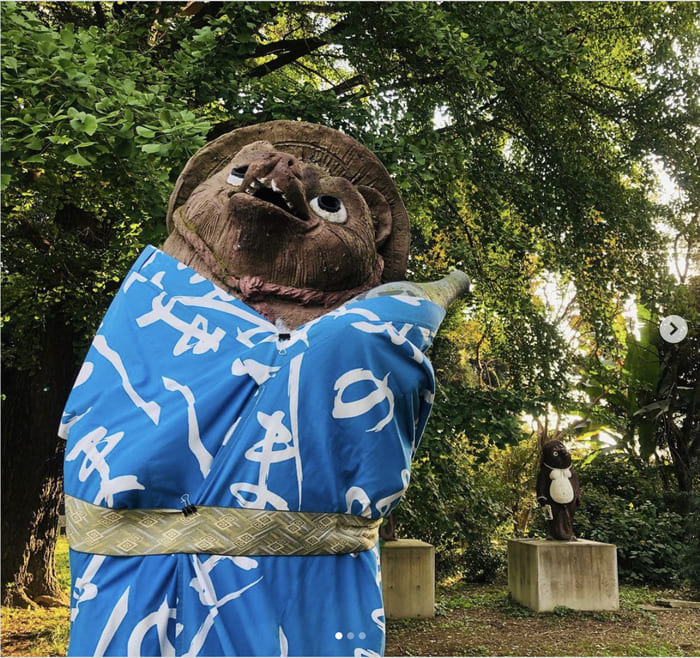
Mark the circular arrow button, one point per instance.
(673, 329)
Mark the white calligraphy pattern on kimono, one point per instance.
(187, 394)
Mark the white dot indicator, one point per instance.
(362, 636)
(351, 636)
(338, 636)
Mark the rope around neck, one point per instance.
(254, 288)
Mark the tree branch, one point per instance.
(304, 48)
(292, 49)
(32, 234)
(349, 84)
(285, 45)
(313, 72)
(605, 85)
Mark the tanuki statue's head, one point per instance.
(291, 217)
(556, 455)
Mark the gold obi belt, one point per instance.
(216, 530)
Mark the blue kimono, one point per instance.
(188, 396)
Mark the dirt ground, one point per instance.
(484, 622)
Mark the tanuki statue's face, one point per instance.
(556, 455)
(282, 234)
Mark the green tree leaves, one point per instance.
(80, 121)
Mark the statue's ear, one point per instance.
(381, 213)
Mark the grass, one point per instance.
(650, 649)
(484, 620)
(485, 595)
(35, 631)
(62, 568)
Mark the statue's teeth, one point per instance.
(288, 202)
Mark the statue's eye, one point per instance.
(236, 175)
(330, 208)
(555, 453)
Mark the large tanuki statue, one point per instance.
(248, 410)
(558, 490)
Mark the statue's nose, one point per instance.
(277, 178)
(283, 167)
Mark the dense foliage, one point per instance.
(523, 137)
(690, 566)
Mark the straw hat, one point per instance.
(337, 153)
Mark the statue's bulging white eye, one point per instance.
(555, 453)
(329, 208)
(236, 176)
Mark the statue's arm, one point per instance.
(542, 488)
(441, 292)
(448, 289)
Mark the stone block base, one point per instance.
(408, 578)
(581, 574)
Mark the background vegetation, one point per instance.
(526, 139)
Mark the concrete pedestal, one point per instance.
(408, 578)
(581, 574)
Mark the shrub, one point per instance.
(691, 555)
(453, 506)
(458, 500)
(482, 561)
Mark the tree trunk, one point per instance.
(32, 467)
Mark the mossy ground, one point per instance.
(482, 620)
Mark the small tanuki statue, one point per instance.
(558, 490)
(247, 412)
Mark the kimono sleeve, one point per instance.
(368, 394)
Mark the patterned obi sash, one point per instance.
(215, 530)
